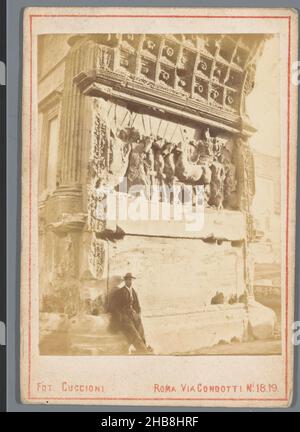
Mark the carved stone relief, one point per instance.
(97, 257)
(247, 190)
(62, 292)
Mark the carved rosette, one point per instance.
(250, 79)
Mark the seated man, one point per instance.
(126, 313)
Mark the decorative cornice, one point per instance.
(63, 191)
(51, 100)
(155, 100)
(204, 76)
(116, 87)
(69, 222)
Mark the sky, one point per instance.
(263, 102)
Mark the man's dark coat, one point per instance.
(125, 310)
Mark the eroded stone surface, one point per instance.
(178, 275)
(262, 320)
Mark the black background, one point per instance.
(2, 203)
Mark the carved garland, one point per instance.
(246, 200)
(98, 168)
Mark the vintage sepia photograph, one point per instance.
(159, 194)
(158, 206)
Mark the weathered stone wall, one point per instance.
(178, 275)
(176, 281)
(167, 334)
(188, 332)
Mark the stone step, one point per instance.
(91, 339)
(98, 345)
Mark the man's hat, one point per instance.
(129, 276)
